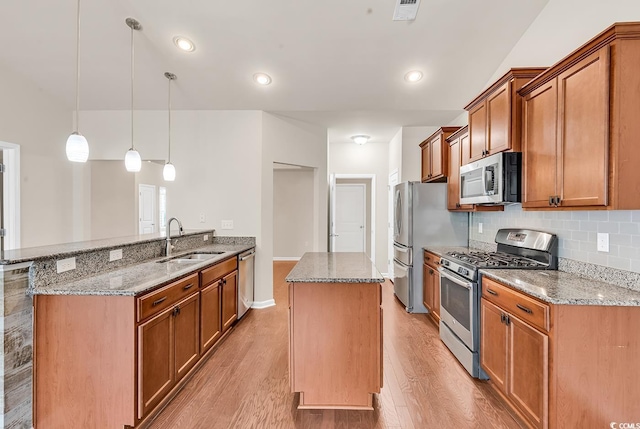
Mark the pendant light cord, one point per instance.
(132, 75)
(78, 68)
(170, 120)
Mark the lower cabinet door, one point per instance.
(156, 375)
(494, 340)
(427, 296)
(229, 300)
(436, 295)
(529, 371)
(187, 334)
(210, 317)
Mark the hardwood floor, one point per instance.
(245, 382)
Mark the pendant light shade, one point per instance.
(77, 147)
(169, 171)
(132, 160)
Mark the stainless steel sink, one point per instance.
(192, 257)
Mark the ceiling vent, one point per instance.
(406, 10)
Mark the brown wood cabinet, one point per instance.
(431, 285)
(581, 127)
(495, 117)
(114, 361)
(560, 365)
(435, 155)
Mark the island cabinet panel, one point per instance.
(84, 358)
(585, 109)
(336, 341)
(495, 116)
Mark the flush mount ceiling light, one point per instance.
(413, 76)
(169, 171)
(184, 44)
(77, 147)
(360, 139)
(132, 160)
(262, 78)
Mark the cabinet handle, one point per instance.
(431, 272)
(551, 201)
(158, 301)
(458, 205)
(224, 281)
(557, 200)
(189, 286)
(489, 291)
(502, 318)
(507, 320)
(525, 309)
(176, 311)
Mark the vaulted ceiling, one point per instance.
(339, 64)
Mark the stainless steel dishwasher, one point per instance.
(246, 279)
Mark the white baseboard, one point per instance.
(286, 258)
(263, 304)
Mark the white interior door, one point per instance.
(332, 212)
(350, 218)
(393, 180)
(147, 209)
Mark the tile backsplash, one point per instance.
(576, 231)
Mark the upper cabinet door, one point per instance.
(438, 158)
(426, 161)
(583, 129)
(499, 120)
(540, 135)
(478, 134)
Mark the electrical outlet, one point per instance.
(206, 237)
(115, 255)
(603, 242)
(227, 224)
(479, 227)
(64, 265)
(202, 218)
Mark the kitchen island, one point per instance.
(335, 331)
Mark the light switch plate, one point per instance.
(603, 242)
(479, 227)
(202, 218)
(206, 237)
(115, 255)
(64, 265)
(227, 224)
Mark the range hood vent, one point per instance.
(406, 10)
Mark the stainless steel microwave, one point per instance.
(492, 180)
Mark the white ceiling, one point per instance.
(338, 64)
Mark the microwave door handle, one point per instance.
(484, 180)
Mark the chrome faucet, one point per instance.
(169, 246)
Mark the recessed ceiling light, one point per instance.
(184, 44)
(262, 78)
(413, 76)
(360, 139)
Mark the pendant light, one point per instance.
(77, 147)
(169, 171)
(132, 160)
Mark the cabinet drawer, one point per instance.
(431, 259)
(165, 297)
(516, 303)
(217, 271)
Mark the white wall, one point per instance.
(371, 158)
(289, 141)
(395, 154)
(411, 153)
(562, 27)
(293, 214)
(113, 201)
(40, 124)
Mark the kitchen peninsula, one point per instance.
(335, 331)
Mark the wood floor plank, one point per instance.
(245, 382)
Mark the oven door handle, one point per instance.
(464, 283)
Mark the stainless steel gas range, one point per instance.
(460, 286)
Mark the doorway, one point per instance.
(147, 209)
(350, 220)
(10, 195)
(368, 226)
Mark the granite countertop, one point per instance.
(558, 287)
(140, 278)
(336, 267)
(442, 250)
(65, 250)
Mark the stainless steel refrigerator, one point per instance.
(421, 219)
